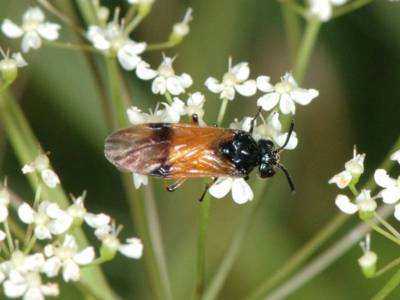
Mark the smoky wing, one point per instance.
(179, 150)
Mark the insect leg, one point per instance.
(195, 119)
(254, 120)
(174, 186)
(208, 185)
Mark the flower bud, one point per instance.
(8, 70)
(367, 263)
(181, 29)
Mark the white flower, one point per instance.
(4, 202)
(100, 222)
(68, 258)
(322, 9)
(353, 169)
(194, 106)
(165, 79)
(235, 80)
(113, 41)
(396, 156)
(21, 263)
(244, 124)
(48, 220)
(41, 164)
(33, 29)
(181, 29)
(29, 287)
(391, 192)
(241, 191)
(286, 93)
(141, 2)
(271, 129)
(9, 65)
(363, 204)
(133, 248)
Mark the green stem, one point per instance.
(292, 27)
(161, 46)
(201, 246)
(222, 111)
(383, 232)
(30, 245)
(306, 48)
(69, 46)
(389, 287)
(387, 225)
(135, 22)
(9, 236)
(389, 266)
(351, 6)
(353, 190)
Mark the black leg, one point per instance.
(195, 119)
(174, 186)
(206, 188)
(254, 120)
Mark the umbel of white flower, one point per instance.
(33, 29)
(353, 169)
(164, 78)
(113, 41)
(285, 93)
(322, 9)
(235, 80)
(364, 204)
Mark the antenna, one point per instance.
(287, 138)
(289, 179)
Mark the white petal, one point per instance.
(127, 58)
(390, 195)
(103, 232)
(321, 9)
(34, 262)
(196, 99)
(33, 293)
(84, 257)
(263, 84)
(144, 72)
(345, 205)
(2, 238)
(53, 211)
(26, 213)
(71, 271)
(33, 14)
(228, 93)
(26, 169)
(97, 36)
(241, 71)
(186, 80)
(14, 290)
(139, 180)
(50, 178)
(286, 104)
(338, 2)
(383, 179)
(61, 224)
(221, 187)
(21, 62)
(3, 213)
(49, 31)
(397, 212)
(134, 48)
(241, 191)
(342, 179)
(42, 232)
(268, 101)
(97, 220)
(159, 85)
(214, 85)
(11, 29)
(133, 248)
(135, 115)
(174, 85)
(292, 142)
(31, 40)
(303, 96)
(248, 88)
(50, 289)
(396, 156)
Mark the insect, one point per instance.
(180, 151)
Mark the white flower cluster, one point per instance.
(364, 203)
(322, 9)
(24, 265)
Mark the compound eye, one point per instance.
(266, 171)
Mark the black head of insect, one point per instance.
(269, 158)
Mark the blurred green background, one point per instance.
(356, 68)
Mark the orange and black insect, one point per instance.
(181, 151)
